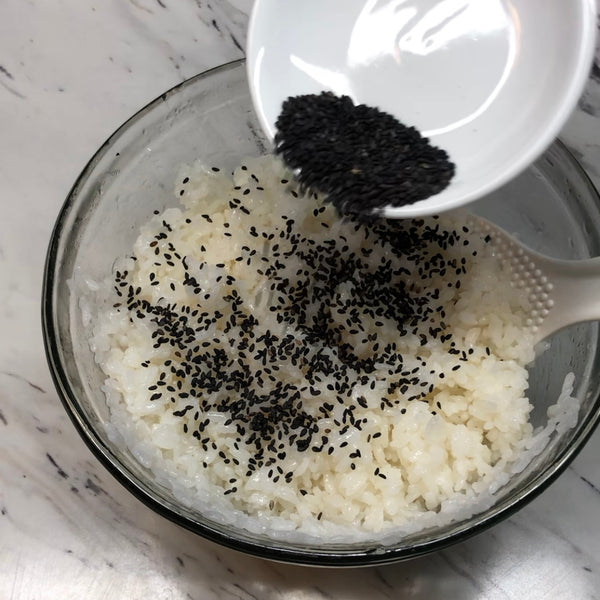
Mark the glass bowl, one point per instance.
(552, 207)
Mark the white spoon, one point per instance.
(560, 292)
(490, 81)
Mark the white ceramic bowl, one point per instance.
(490, 81)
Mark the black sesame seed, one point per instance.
(362, 158)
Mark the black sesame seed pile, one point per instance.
(360, 157)
(278, 331)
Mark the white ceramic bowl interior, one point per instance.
(490, 81)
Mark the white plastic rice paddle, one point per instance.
(560, 292)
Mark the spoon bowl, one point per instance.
(491, 82)
(559, 292)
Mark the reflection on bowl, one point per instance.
(552, 207)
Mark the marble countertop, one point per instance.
(71, 71)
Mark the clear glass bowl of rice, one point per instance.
(297, 386)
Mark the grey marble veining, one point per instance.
(70, 72)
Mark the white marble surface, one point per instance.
(70, 72)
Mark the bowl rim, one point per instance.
(370, 557)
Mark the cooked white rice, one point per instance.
(424, 432)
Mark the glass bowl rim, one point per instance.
(99, 449)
